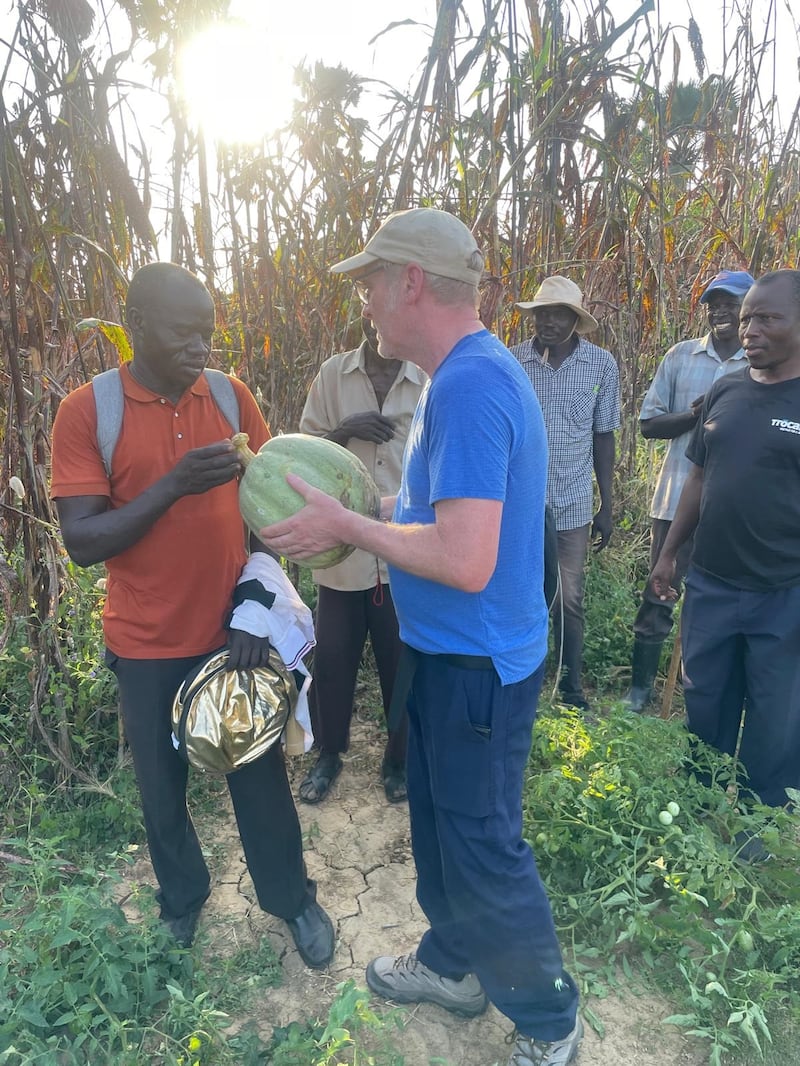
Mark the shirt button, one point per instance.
(163, 400)
(177, 415)
(180, 436)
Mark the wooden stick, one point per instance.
(672, 675)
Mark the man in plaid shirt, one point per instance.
(577, 384)
(670, 410)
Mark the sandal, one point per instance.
(394, 782)
(316, 785)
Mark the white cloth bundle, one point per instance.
(289, 626)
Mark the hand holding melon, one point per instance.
(266, 498)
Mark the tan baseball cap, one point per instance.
(558, 290)
(438, 241)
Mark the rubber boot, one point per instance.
(644, 668)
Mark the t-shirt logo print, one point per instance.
(785, 426)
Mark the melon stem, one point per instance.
(239, 441)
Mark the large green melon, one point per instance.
(265, 497)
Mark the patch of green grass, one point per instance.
(614, 579)
(353, 1034)
(79, 984)
(635, 849)
(235, 980)
(86, 821)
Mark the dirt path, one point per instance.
(358, 849)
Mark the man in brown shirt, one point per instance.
(363, 402)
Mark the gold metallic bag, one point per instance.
(223, 719)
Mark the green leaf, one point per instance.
(29, 1012)
(682, 1020)
(113, 332)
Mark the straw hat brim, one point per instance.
(586, 323)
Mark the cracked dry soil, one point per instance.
(358, 849)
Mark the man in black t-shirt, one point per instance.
(741, 617)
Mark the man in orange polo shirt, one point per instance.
(166, 523)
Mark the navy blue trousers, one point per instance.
(741, 650)
(477, 882)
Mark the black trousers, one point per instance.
(262, 801)
(343, 621)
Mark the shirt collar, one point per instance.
(356, 360)
(706, 344)
(132, 388)
(579, 352)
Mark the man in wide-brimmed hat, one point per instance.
(670, 411)
(578, 388)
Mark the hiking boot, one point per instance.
(530, 1052)
(405, 979)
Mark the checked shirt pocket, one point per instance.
(581, 412)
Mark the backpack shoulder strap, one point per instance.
(109, 401)
(224, 396)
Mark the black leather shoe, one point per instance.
(576, 700)
(394, 782)
(183, 928)
(313, 935)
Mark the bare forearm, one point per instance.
(387, 507)
(458, 548)
(422, 550)
(255, 545)
(667, 427)
(97, 537)
(603, 452)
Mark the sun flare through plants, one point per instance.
(236, 83)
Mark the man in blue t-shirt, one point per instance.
(464, 544)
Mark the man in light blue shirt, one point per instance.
(669, 412)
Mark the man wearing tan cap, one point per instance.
(578, 388)
(468, 519)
